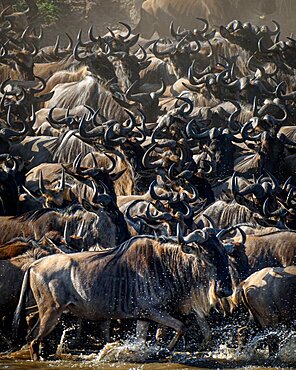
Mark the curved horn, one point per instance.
(185, 196)
(189, 212)
(92, 134)
(152, 192)
(129, 30)
(277, 28)
(113, 163)
(228, 230)
(144, 55)
(41, 184)
(76, 53)
(91, 35)
(158, 93)
(145, 160)
(197, 236)
(54, 123)
(246, 136)
(182, 110)
(70, 45)
(280, 212)
(43, 86)
(132, 42)
(163, 216)
(162, 53)
(231, 119)
(206, 27)
(56, 46)
(125, 130)
(173, 32)
(62, 182)
(280, 95)
(102, 199)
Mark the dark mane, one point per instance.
(274, 232)
(35, 215)
(120, 249)
(32, 215)
(35, 253)
(18, 239)
(67, 146)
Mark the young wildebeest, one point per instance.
(143, 278)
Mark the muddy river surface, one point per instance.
(131, 356)
(22, 365)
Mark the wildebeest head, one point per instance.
(18, 20)
(98, 64)
(180, 55)
(235, 248)
(117, 41)
(246, 35)
(149, 101)
(283, 51)
(270, 147)
(105, 202)
(128, 67)
(20, 60)
(207, 240)
(53, 197)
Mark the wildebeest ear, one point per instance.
(188, 249)
(224, 32)
(265, 223)
(87, 206)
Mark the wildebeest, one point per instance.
(156, 15)
(270, 248)
(142, 279)
(16, 257)
(229, 116)
(269, 295)
(105, 227)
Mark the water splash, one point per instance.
(287, 350)
(130, 352)
(62, 346)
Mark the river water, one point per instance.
(67, 365)
(131, 356)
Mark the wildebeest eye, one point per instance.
(188, 249)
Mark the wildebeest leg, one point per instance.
(244, 334)
(105, 329)
(174, 341)
(242, 337)
(165, 319)
(34, 350)
(142, 330)
(11, 345)
(204, 328)
(160, 334)
(48, 321)
(273, 344)
(50, 306)
(32, 320)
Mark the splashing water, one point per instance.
(62, 346)
(287, 350)
(130, 352)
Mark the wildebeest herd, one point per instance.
(146, 179)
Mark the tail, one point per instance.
(20, 307)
